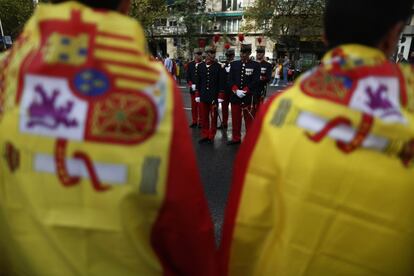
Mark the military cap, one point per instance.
(230, 51)
(246, 48)
(261, 49)
(209, 48)
(198, 51)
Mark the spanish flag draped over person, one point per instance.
(90, 132)
(324, 182)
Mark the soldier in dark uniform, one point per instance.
(244, 81)
(210, 88)
(230, 53)
(191, 82)
(265, 75)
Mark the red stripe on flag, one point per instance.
(116, 36)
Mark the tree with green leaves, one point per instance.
(191, 16)
(287, 21)
(148, 13)
(14, 14)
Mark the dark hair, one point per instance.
(99, 4)
(363, 21)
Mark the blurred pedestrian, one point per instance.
(285, 68)
(401, 59)
(169, 64)
(298, 67)
(291, 73)
(277, 73)
(178, 71)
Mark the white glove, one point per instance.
(220, 100)
(227, 69)
(193, 87)
(241, 93)
(197, 99)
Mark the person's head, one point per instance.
(374, 23)
(245, 52)
(198, 55)
(116, 5)
(167, 55)
(210, 54)
(230, 54)
(260, 53)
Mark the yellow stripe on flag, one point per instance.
(130, 85)
(132, 72)
(120, 57)
(114, 42)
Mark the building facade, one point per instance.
(225, 18)
(406, 44)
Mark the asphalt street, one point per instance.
(215, 163)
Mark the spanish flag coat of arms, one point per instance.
(324, 181)
(90, 132)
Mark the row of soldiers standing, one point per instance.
(242, 83)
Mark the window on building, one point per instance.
(231, 25)
(226, 5)
(232, 5)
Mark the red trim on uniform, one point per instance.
(182, 235)
(240, 168)
(195, 116)
(208, 114)
(96, 183)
